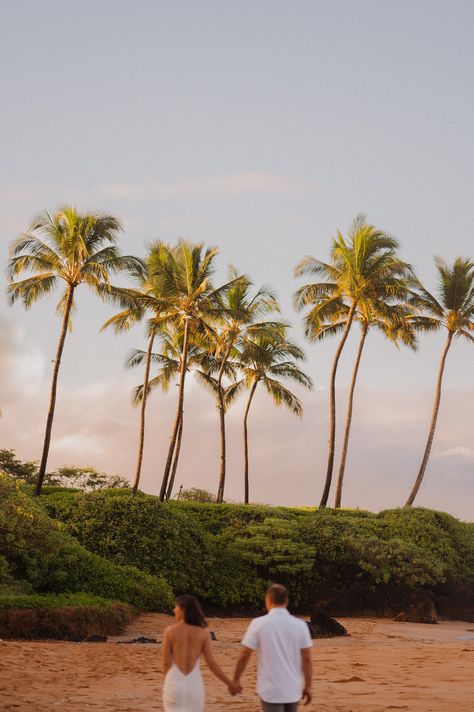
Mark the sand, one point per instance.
(383, 665)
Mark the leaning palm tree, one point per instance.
(190, 302)
(241, 316)
(142, 301)
(169, 361)
(396, 323)
(74, 249)
(359, 264)
(268, 358)
(452, 310)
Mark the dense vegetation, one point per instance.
(227, 553)
(74, 563)
(38, 556)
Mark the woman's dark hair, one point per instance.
(193, 613)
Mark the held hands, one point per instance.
(234, 687)
(307, 696)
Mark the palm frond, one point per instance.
(31, 289)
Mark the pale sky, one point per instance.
(261, 127)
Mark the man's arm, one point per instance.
(307, 669)
(242, 661)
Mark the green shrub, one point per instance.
(64, 617)
(141, 531)
(229, 553)
(40, 553)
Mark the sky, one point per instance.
(261, 127)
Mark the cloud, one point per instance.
(465, 453)
(220, 186)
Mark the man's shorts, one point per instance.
(279, 707)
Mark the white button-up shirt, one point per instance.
(279, 638)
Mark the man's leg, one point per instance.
(271, 707)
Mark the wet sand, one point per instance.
(383, 665)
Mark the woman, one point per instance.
(183, 644)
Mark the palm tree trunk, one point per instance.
(220, 399)
(179, 413)
(350, 403)
(169, 491)
(332, 407)
(141, 437)
(434, 419)
(246, 449)
(52, 397)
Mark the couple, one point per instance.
(283, 644)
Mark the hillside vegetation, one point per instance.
(98, 556)
(227, 554)
(40, 562)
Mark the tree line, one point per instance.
(230, 335)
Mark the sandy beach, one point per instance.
(383, 665)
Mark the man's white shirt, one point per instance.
(279, 638)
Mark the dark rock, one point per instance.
(323, 626)
(420, 608)
(141, 639)
(213, 635)
(96, 639)
(455, 601)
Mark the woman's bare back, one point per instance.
(187, 643)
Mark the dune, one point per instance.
(382, 665)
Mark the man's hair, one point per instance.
(277, 594)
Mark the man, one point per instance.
(284, 646)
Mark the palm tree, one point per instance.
(240, 316)
(268, 358)
(453, 310)
(190, 302)
(75, 249)
(169, 361)
(395, 323)
(145, 299)
(359, 265)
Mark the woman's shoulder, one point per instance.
(171, 628)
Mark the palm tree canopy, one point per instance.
(70, 247)
(170, 357)
(453, 307)
(269, 357)
(182, 277)
(363, 268)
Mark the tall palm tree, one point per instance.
(452, 310)
(70, 248)
(268, 358)
(144, 300)
(190, 302)
(395, 323)
(359, 264)
(241, 315)
(169, 361)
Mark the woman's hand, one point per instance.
(234, 687)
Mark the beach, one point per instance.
(382, 665)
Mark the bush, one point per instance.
(227, 554)
(63, 617)
(40, 553)
(141, 531)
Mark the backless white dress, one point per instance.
(183, 693)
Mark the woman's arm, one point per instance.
(167, 659)
(215, 668)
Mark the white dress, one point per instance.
(183, 693)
